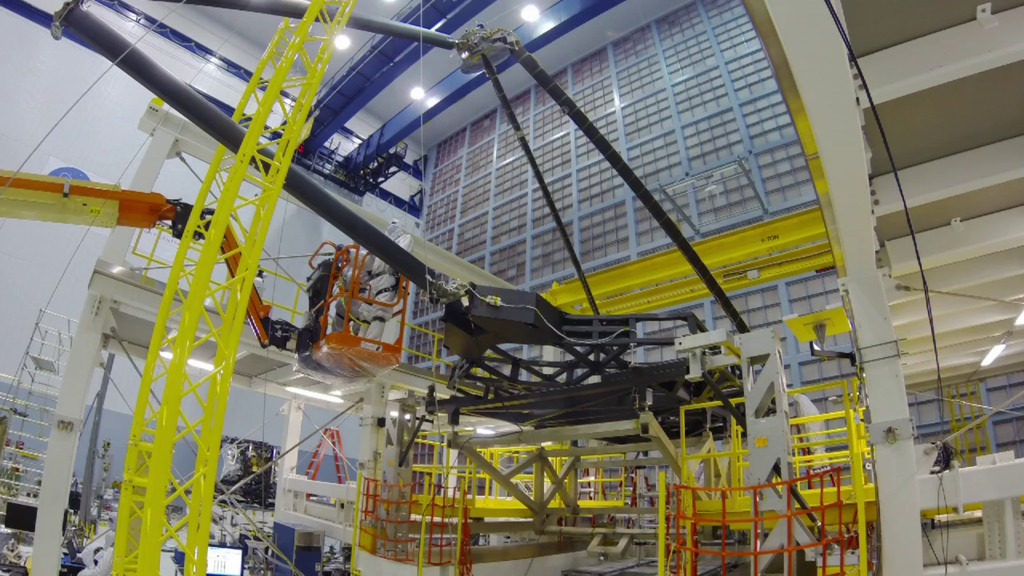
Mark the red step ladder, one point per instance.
(330, 440)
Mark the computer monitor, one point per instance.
(20, 517)
(224, 561)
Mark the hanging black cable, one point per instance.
(535, 167)
(671, 229)
(903, 198)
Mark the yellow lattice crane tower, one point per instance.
(204, 304)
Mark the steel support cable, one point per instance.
(499, 90)
(617, 162)
(186, 101)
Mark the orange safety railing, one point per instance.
(396, 524)
(684, 525)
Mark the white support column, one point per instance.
(65, 431)
(371, 450)
(815, 65)
(157, 151)
(289, 463)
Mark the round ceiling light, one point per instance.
(342, 42)
(530, 13)
(417, 93)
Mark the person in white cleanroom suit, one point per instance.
(382, 282)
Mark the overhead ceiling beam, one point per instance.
(944, 56)
(963, 275)
(925, 379)
(971, 239)
(557, 21)
(951, 176)
(947, 323)
(922, 344)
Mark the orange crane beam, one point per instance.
(64, 201)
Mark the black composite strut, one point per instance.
(576, 114)
(499, 90)
(180, 96)
(297, 9)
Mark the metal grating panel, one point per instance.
(597, 98)
(787, 179)
(472, 236)
(657, 160)
(752, 75)
(508, 146)
(640, 79)
(633, 46)
(604, 233)
(598, 184)
(726, 198)
(451, 148)
(723, 10)
(759, 308)
(445, 240)
(549, 255)
(682, 23)
(446, 179)
(508, 220)
(542, 100)
(767, 120)
(590, 68)
(608, 125)
(510, 179)
(551, 122)
(647, 117)
(476, 196)
(736, 37)
(555, 156)
(479, 160)
(441, 213)
(509, 263)
(701, 95)
(562, 192)
(692, 56)
(713, 140)
(483, 128)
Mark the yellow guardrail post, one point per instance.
(662, 523)
(355, 525)
(857, 480)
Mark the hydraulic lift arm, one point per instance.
(63, 201)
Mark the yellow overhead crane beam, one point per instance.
(767, 252)
(191, 406)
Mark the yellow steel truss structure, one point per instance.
(767, 252)
(966, 405)
(204, 306)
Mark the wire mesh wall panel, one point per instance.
(483, 128)
(450, 148)
(818, 293)
(597, 184)
(444, 240)
(442, 213)
(590, 68)
(787, 179)
(604, 233)
(476, 196)
(472, 236)
(760, 308)
(508, 221)
(509, 263)
(687, 94)
(562, 192)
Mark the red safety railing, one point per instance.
(742, 511)
(395, 518)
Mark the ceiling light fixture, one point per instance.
(166, 355)
(431, 101)
(393, 413)
(485, 431)
(530, 13)
(342, 42)
(1020, 320)
(993, 354)
(417, 93)
(312, 394)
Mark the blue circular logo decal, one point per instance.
(69, 172)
